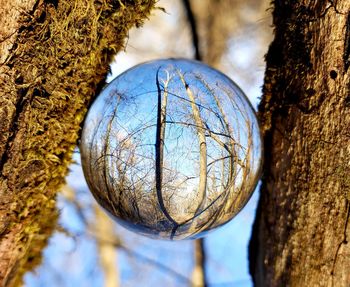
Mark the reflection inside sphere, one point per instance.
(171, 149)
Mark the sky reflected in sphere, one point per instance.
(171, 149)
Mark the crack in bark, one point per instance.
(8, 36)
(344, 240)
(323, 13)
(335, 7)
(20, 106)
(346, 56)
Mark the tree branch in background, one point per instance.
(199, 275)
(223, 23)
(107, 251)
(115, 241)
(193, 24)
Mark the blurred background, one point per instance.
(88, 249)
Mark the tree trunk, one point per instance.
(302, 229)
(107, 251)
(199, 272)
(54, 56)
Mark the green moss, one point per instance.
(62, 57)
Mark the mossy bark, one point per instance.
(302, 230)
(54, 57)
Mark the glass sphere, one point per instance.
(171, 149)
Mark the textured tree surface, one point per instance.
(302, 231)
(54, 56)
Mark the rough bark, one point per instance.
(302, 228)
(54, 56)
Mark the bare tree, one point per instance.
(202, 187)
(160, 140)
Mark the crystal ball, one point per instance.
(171, 149)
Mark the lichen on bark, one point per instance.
(54, 58)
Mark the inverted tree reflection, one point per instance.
(171, 149)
